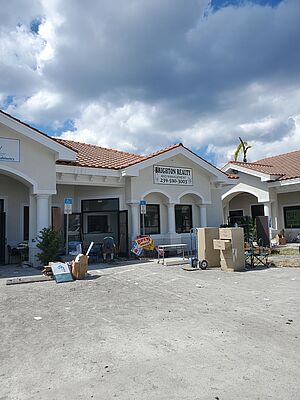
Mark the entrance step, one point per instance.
(175, 261)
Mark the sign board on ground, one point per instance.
(165, 175)
(9, 149)
(68, 202)
(61, 272)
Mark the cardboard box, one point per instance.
(79, 269)
(281, 240)
(206, 249)
(222, 244)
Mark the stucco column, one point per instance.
(203, 216)
(225, 213)
(42, 212)
(135, 220)
(32, 218)
(171, 219)
(275, 214)
(267, 211)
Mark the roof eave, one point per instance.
(217, 175)
(61, 151)
(263, 177)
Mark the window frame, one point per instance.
(285, 208)
(145, 216)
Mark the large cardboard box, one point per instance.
(206, 251)
(79, 268)
(232, 258)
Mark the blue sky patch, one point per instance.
(218, 4)
(34, 25)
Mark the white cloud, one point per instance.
(142, 75)
(117, 127)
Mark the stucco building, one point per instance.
(37, 174)
(269, 187)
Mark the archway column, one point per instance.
(135, 220)
(171, 219)
(225, 213)
(42, 212)
(203, 215)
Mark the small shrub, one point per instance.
(50, 244)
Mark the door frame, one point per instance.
(2, 237)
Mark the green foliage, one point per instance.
(50, 244)
(242, 147)
(253, 231)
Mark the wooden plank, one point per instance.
(28, 279)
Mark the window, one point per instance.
(235, 216)
(257, 210)
(74, 226)
(183, 218)
(291, 217)
(99, 218)
(97, 224)
(152, 220)
(236, 213)
(100, 205)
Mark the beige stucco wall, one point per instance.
(284, 200)
(215, 209)
(249, 184)
(36, 162)
(78, 193)
(143, 184)
(243, 201)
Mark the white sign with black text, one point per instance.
(9, 149)
(172, 175)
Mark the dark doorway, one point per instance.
(26, 223)
(262, 231)
(257, 210)
(123, 233)
(2, 237)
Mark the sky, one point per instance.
(139, 75)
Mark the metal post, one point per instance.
(143, 219)
(67, 236)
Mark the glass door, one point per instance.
(123, 233)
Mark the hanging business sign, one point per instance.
(164, 175)
(9, 149)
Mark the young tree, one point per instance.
(50, 244)
(242, 147)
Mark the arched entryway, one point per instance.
(24, 211)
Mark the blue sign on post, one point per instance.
(68, 201)
(142, 202)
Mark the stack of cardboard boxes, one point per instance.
(206, 251)
(231, 246)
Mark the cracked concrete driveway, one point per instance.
(145, 331)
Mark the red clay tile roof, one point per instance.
(92, 156)
(285, 166)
